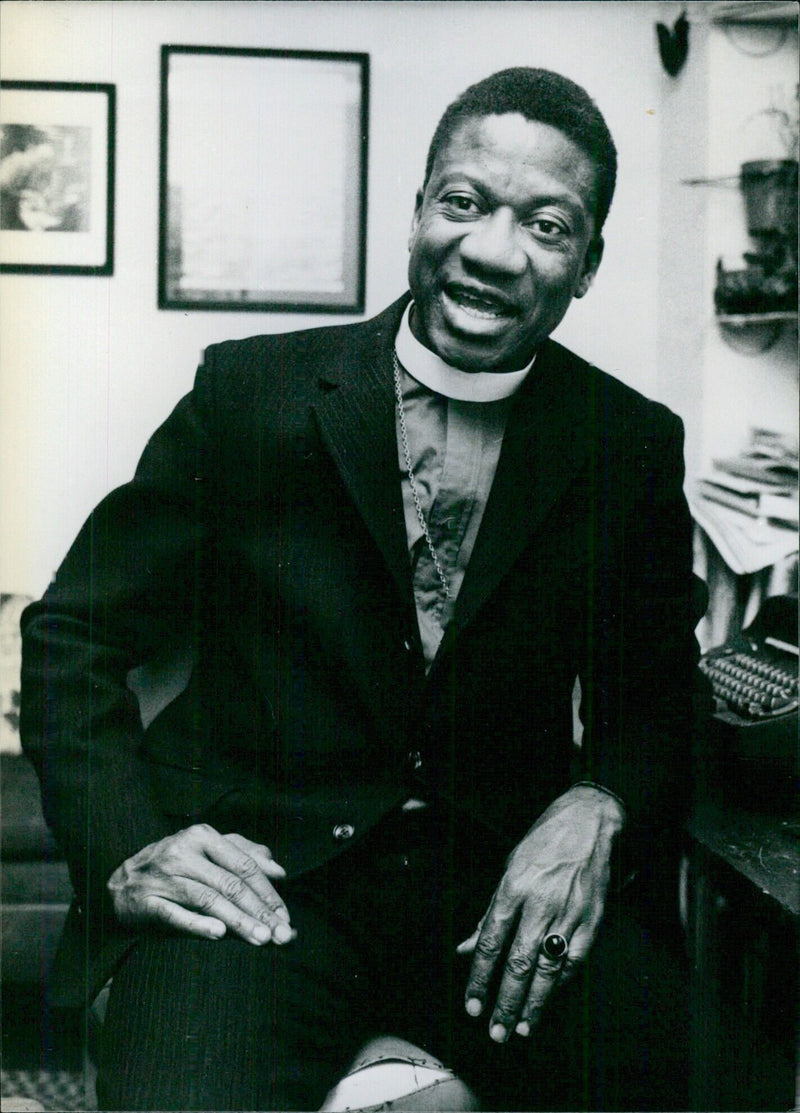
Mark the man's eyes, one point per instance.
(548, 228)
(462, 203)
(545, 227)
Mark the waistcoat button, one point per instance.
(343, 831)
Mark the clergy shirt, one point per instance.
(455, 421)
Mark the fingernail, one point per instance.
(523, 1028)
(474, 1006)
(282, 913)
(282, 933)
(261, 933)
(498, 1033)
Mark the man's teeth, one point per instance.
(478, 306)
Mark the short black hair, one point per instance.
(547, 98)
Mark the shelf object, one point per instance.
(755, 302)
(764, 291)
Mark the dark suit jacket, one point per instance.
(265, 524)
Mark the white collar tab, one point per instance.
(463, 386)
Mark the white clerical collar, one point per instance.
(464, 386)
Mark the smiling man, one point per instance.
(505, 235)
(393, 547)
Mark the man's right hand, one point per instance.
(203, 883)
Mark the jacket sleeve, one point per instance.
(639, 698)
(131, 579)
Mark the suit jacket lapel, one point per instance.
(546, 440)
(355, 412)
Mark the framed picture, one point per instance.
(263, 179)
(56, 178)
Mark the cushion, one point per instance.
(11, 607)
(25, 834)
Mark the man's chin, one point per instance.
(475, 354)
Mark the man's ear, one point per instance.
(591, 264)
(415, 217)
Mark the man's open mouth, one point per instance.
(480, 304)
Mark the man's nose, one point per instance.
(493, 244)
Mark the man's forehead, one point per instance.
(492, 143)
(510, 134)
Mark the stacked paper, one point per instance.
(761, 482)
(748, 504)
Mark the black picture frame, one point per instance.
(57, 157)
(263, 179)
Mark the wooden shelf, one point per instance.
(727, 180)
(753, 11)
(755, 318)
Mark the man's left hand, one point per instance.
(555, 882)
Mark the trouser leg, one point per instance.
(197, 1024)
(194, 1024)
(203, 1025)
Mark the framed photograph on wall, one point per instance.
(263, 179)
(56, 178)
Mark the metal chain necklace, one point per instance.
(398, 390)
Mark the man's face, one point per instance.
(501, 241)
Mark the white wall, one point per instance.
(685, 310)
(90, 366)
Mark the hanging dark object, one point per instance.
(673, 46)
